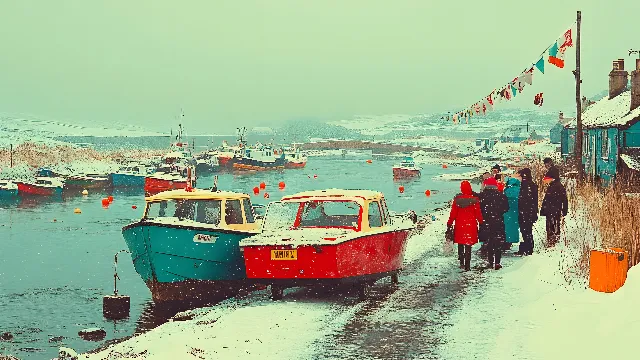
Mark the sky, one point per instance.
(230, 63)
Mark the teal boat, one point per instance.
(8, 189)
(129, 176)
(185, 247)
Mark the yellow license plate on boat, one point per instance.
(284, 254)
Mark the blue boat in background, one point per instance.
(130, 176)
(186, 246)
(8, 189)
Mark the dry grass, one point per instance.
(39, 155)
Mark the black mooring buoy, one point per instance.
(116, 306)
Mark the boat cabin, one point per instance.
(49, 182)
(359, 210)
(202, 208)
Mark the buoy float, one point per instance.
(134, 207)
(263, 185)
(281, 185)
(266, 195)
(85, 192)
(105, 202)
(428, 192)
(401, 189)
(256, 190)
(116, 306)
(444, 166)
(369, 161)
(54, 220)
(77, 211)
(110, 198)
(315, 176)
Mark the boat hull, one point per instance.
(35, 190)
(154, 185)
(366, 258)
(249, 164)
(224, 161)
(295, 165)
(405, 173)
(7, 193)
(179, 263)
(71, 183)
(127, 180)
(206, 168)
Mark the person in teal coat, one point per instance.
(511, 223)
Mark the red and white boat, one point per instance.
(168, 178)
(327, 237)
(294, 159)
(42, 186)
(406, 169)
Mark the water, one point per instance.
(161, 142)
(57, 265)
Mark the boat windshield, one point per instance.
(313, 214)
(201, 211)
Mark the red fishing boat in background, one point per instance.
(42, 186)
(406, 169)
(168, 178)
(327, 237)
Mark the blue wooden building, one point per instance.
(611, 136)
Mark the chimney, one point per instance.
(635, 86)
(617, 79)
(561, 116)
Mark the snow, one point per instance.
(614, 112)
(633, 162)
(528, 310)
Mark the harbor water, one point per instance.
(57, 265)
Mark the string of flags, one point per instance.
(553, 54)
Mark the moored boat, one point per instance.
(87, 181)
(169, 178)
(8, 189)
(259, 159)
(186, 244)
(42, 186)
(130, 176)
(327, 237)
(406, 169)
(294, 159)
(207, 162)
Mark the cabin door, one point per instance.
(594, 157)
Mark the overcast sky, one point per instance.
(255, 63)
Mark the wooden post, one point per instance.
(578, 143)
(11, 154)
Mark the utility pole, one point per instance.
(578, 143)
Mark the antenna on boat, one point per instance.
(215, 184)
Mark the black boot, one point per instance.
(467, 257)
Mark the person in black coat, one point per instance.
(494, 204)
(554, 206)
(527, 211)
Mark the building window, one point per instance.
(605, 144)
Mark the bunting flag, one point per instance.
(528, 76)
(556, 57)
(540, 65)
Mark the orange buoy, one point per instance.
(401, 189)
(369, 161)
(266, 195)
(315, 176)
(110, 198)
(263, 185)
(134, 207)
(105, 202)
(444, 166)
(428, 192)
(77, 211)
(608, 269)
(256, 190)
(282, 185)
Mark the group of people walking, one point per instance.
(504, 209)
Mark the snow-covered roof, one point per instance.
(610, 113)
(331, 193)
(196, 194)
(633, 162)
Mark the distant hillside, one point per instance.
(304, 129)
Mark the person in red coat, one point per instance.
(466, 214)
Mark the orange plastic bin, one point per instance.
(608, 269)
